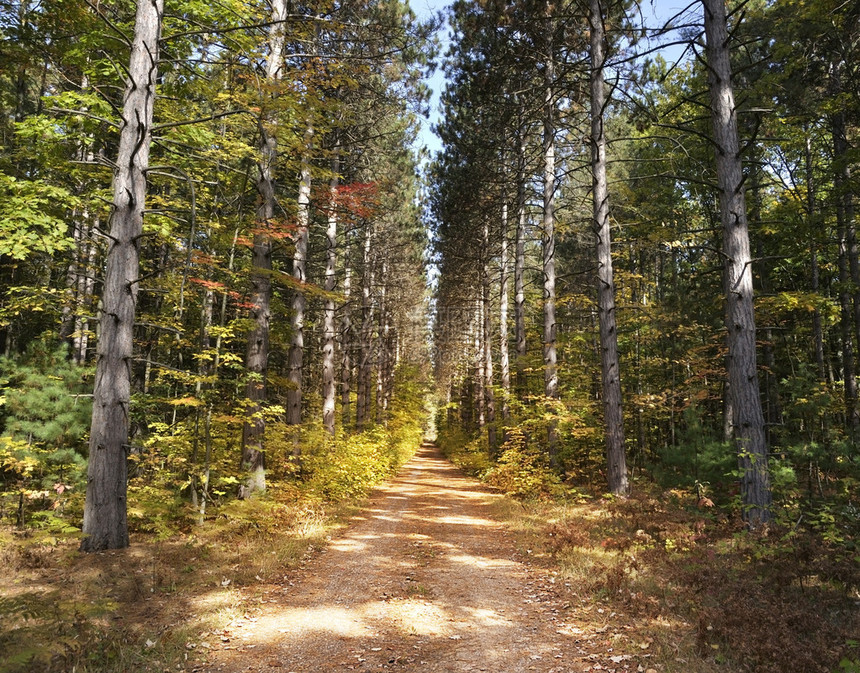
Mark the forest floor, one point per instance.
(424, 579)
(437, 572)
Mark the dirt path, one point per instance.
(422, 580)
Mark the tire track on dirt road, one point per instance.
(424, 579)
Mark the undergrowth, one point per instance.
(142, 609)
(675, 561)
(702, 593)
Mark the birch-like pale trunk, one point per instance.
(382, 345)
(105, 523)
(504, 356)
(362, 403)
(480, 401)
(748, 419)
(345, 350)
(392, 358)
(613, 417)
(257, 356)
(71, 307)
(520, 267)
(548, 241)
(80, 277)
(328, 392)
(467, 401)
(300, 263)
(85, 290)
(486, 334)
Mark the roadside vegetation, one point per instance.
(152, 606)
(672, 574)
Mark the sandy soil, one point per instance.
(422, 580)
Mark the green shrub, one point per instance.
(522, 470)
(698, 460)
(467, 453)
(348, 467)
(46, 409)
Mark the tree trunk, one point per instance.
(616, 460)
(105, 511)
(382, 354)
(85, 290)
(548, 241)
(345, 350)
(519, 268)
(772, 407)
(486, 333)
(362, 403)
(300, 260)
(504, 357)
(847, 258)
(257, 356)
(478, 375)
(811, 210)
(328, 392)
(852, 417)
(742, 373)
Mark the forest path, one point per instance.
(423, 579)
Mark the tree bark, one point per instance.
(852, 417)
(300, 260)
(486, 329)
(362, 403)
(616, 460)
(520, 266)
(749, 432)
(548, 240)
(772, 407)
(328, 392)
(257, 356)
(478, 376)
(382, 353)
(105, 523)
(504, 356)
(811, 210)
(850, 276)
(346, 350)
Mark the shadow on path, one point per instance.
(423, 580)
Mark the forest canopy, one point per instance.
(233, 285)
(216, 232)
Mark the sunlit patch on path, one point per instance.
(423, 580)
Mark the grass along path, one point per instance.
(425, 579)
(435, 573)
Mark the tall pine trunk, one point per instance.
(849, 269)
(616, 460)
(105, 510)
(300, 262)
(362, 402)
(346, 349)
(548, 239)
(814, 281)
(478, 375)
(328, 392)
(520, 267)
(382, 353)
(257, 355)
(749, 434)
(504, 356)
(486, 332)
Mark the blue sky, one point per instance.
(654, 12)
